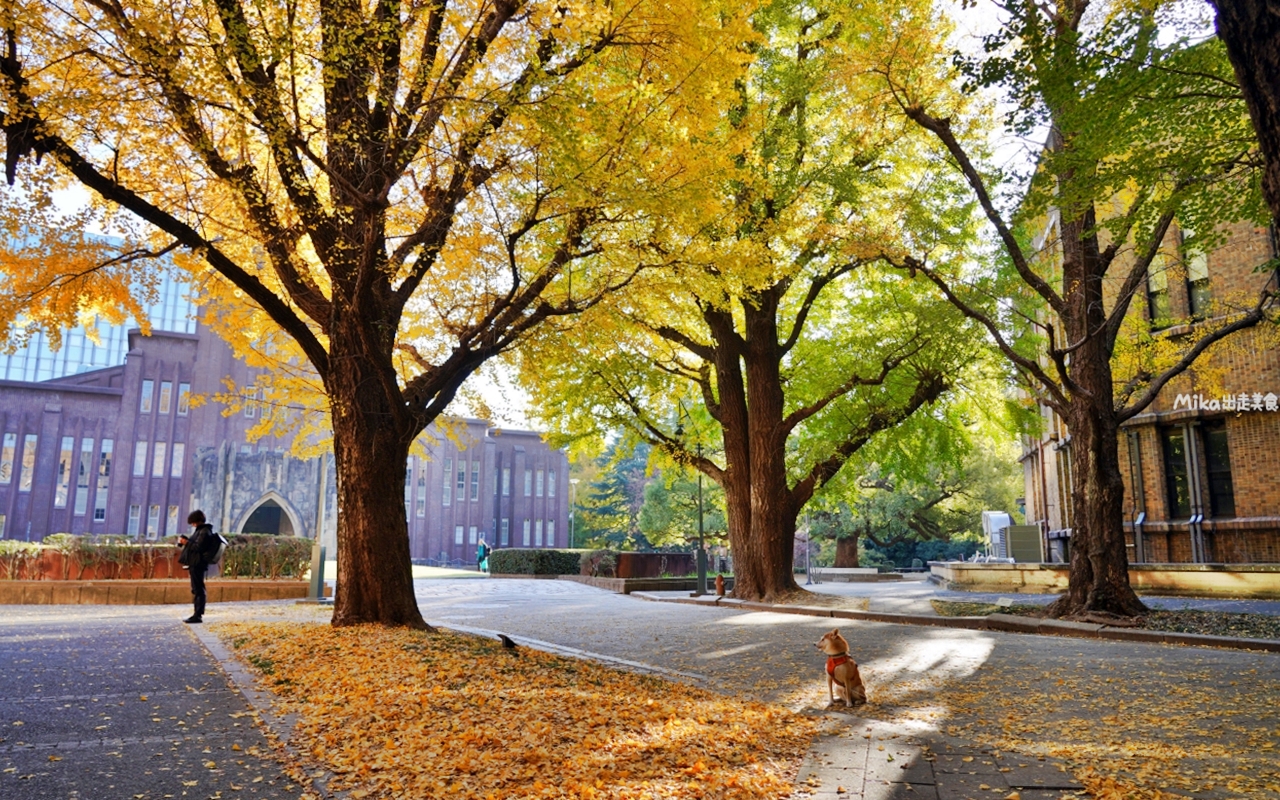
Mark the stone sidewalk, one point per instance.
(118, 703)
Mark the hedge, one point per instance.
(248, 555)
(522, 561)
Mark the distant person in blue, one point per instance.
(197, 550)
(482, 555)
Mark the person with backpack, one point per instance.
(198, 552)
(482, 556)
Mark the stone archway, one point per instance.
(272, 514)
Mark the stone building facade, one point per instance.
(1202, 462)
(104, 438)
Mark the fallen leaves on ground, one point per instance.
(1134, 729)
(435, 715)
(1209, 623)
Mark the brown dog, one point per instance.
(842, 671)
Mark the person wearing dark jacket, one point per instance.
(197, 549)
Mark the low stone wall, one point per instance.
(145, 592)
(1260, 581)
(853, 575)
(629, 585)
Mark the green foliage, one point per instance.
(523, 561)
(595, 562)
(261, 555)
(607, 513)
(16, 557)
(669, 516)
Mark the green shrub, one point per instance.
(65, 543)
(15, 556)
(515, 561)
(598, 562)
(263, 555)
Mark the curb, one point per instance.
(1004, 623)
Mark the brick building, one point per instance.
(103, 438)
(1202, 462)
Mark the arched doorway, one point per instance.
(270, 517)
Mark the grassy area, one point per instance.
(1210, 623)
(397, 713)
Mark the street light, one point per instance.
(573, 503)
(701, 555)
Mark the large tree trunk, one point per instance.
(847, 550)
(1099, 573)
(1250, 29)
(375, 575)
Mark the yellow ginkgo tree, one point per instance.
(398, 191)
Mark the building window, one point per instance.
(1177, 487)
(157, 460)
(1199, 295)
(184, 399)
(166, 396)
(135, 516)
(6, 457)
(1158, 308)
(82, 477)
(1217, 461)
(408, 487)
(104, 479)
(471, 535)
(179, 456)
(462, 479)
(63, 487)
(506, 481)
(504, 532)
(422, 489)
(538, 484)
(528, 482)
(153, 521)
(551, 533)
(458, 532)
(537, 533)
(475, 479)
(251, 403)
(528, 527)
(447, 497)
(148, 388)
(140, 459)
(551, 483)
(1, 526)
(29, 443)
(171, 522)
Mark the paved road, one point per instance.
(911, 673)
(119, 703)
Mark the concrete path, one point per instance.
(114, 702)
(913, 596)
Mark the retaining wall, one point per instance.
(145, 592)
(1192, 580)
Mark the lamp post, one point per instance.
(573, 503)
(700, 557)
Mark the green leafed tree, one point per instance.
(1145, 134)
(782, 341)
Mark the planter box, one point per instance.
(146, 592)
(853, 575)
(1261, 581)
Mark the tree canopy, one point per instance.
(384, 194)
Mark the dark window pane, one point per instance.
(1217, 457)
(1177, 488)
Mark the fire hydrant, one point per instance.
(720, 586)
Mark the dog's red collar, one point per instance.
(835, 661)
